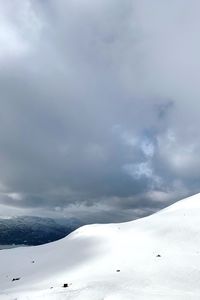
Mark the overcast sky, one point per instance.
(99, 107)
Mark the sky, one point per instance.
(99, 107)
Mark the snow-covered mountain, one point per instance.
(30, 230)
(157, 257)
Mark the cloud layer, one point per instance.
(100, 106)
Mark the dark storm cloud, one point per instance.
(99, 110)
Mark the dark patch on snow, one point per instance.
(16, 279)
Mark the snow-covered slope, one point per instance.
(157, 257)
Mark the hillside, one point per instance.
(27, 230)
(157, 257)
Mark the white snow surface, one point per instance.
(156, 257)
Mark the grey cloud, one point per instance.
(97, 104)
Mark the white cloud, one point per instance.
(181, 157)
(148, 148)
(139, 170)
(19, 29)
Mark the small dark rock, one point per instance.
(158, 255)
(117, 270)
(15, 279)
(33, 261)
(65, 285)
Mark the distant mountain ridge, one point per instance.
(31, 230)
